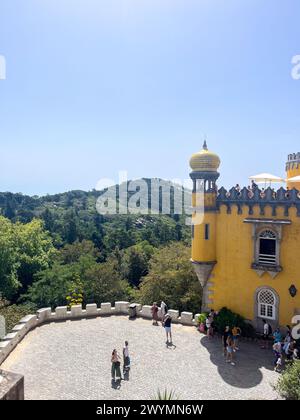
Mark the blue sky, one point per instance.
(98, 86)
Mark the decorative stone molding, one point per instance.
(61, 313)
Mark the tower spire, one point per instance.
(205, 145)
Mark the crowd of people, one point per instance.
(284, 346)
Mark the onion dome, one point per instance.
(205, 161)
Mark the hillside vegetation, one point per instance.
(56, 247)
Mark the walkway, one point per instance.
(71, 360)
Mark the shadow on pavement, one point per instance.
(249, 360)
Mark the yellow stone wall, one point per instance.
(234, 281)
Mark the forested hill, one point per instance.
(58, 250)
(72, 216)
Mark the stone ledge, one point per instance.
(61, 313)
(11, 386)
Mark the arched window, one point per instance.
(266, 304)
(267, 248)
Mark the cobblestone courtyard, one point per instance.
(71, 360)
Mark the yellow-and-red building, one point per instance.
(246, 244)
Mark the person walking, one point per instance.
(168, 328)
(267, 331)
(236, 333)
(115, 366)
(154, 311)
(126, 358)
(224, 338)
(230, 352)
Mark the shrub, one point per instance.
(227, 317)
(202, 318)
(288, 385)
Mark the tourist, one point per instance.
(236, 333)
(115, 368)
(266, 334)
(224, 338)
(279, 363)
(209, 327)
(277, 336)
(277, 349)
(167, 325)
(163, 310)
(230, 350)
(254, 186)
(287, 341)
(292, 351)
(154, 311)
(126, 358)
(212, 314)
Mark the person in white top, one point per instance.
(267, 332)
(163, 311)
(126, 358)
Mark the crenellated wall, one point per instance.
(245, 200)
(61, 313)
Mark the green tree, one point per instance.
(9, 264)
(71, 253)
(35, 250)
(103, 283)
(135, 262)
(172, 278)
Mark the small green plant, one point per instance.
(75, 295)
(165, 395)
(202, 318)
(288, 385)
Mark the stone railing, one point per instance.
(61, 313)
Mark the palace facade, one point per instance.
(246, 244)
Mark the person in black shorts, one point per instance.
(267, 332)
(224, 338)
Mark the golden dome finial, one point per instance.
(205, 160)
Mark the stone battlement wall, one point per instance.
(262, 198)
(61, 313)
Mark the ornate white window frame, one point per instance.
(258, 227)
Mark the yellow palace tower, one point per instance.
(245, 243)
(204, 174)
